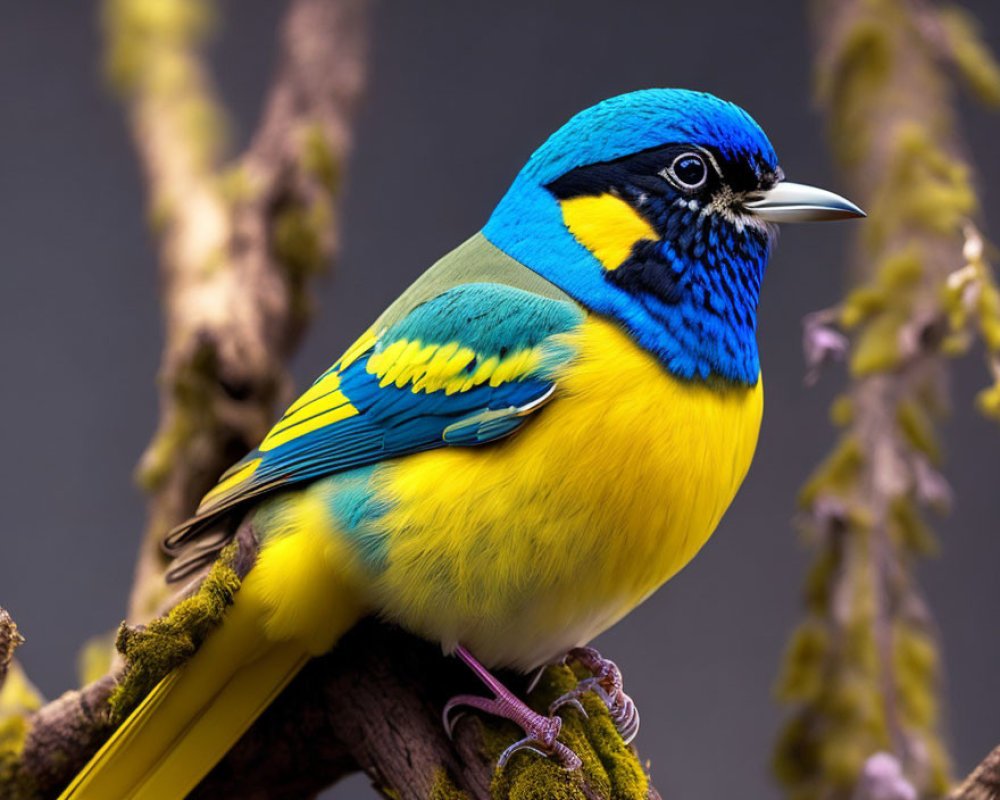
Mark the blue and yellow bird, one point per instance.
(543, 429)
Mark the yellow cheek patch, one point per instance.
(433, 367)
(607, 226)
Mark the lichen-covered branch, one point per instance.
(862, 671)
(238, 241)
(374, 704)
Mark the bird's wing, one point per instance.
(463, 368)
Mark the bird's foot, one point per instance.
(541, 732)
(606, 683)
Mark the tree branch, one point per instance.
(237, 246)
(984, 781)
(10, 639)
(863, 670)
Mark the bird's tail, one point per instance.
(197, 712)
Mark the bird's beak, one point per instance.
(795, 202)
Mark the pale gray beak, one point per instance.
(796, 202)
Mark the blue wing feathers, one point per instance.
(450, 385)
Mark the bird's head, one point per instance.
(658, 208)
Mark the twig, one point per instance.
(9, 641)
(984, 781)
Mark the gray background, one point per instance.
(460, 94)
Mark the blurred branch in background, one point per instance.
(238, 242)
(863, 669)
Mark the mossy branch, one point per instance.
(863, 670)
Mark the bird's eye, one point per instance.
(688, 171)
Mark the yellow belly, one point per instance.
(538, 543)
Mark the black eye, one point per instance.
(689, 170)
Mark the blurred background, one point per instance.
(458, 97)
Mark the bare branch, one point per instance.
(984, 781)
(10, 638)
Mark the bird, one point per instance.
(535, 436)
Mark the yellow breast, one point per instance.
(538, 543)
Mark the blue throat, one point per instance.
(700, 320)
(689, 298)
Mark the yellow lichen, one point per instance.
(444, 789)
(971, 55)
(852, 86)
(318, 159)
(610, 767)
(915, 664)
(835, 474)
(917, 428)
(909, 531)
(802, 677)
(842, 411)
(877, 347)
(138, 29)
(298, 237)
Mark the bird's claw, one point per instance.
(570, 760)
(606, 683)
(542, 732)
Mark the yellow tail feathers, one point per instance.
(194, 715)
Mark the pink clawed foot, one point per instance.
(541, 732)
(606, 682)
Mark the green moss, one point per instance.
(802, 677)
(299, 235)
(918, 429)
(819, 580)
(877, 347)
(861, 304)
(158, 460)
(901, 270)
(988, 311)
(318, 159)
(203, 126)
(842, 411)
(166, 643)
(18, 699)
(611, 768)
(915, 665)
(836, 474)
(444, 789)
(925, 188)
(988, 401)
(971, 55)
(235, 185)
(909, 531)
(138, 30)
(852, 86)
